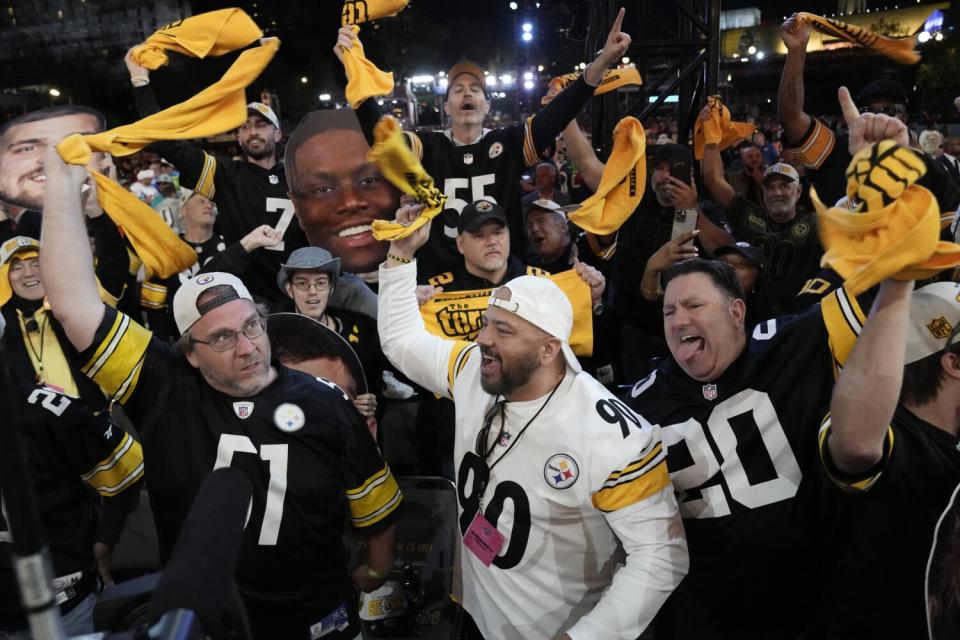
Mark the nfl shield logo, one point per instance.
(709, 392)
(274, 179)
(468, 158)
(243, 409)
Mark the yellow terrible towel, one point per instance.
(398, 165)
(364, 79)
(622, 184)
(895, 230)
(360, 11)
(899, 49)
(718, 128)
(612, 79)
(208, 34)
(456, 315)
(218, 108)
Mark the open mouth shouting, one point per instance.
(690, 347)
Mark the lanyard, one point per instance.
(484, 452)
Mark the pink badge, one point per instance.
(483, 539)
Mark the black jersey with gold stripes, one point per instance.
(742, 454)
(306, 449)
(489, 166)
(879, 532)
(72, 455)
(246, 195)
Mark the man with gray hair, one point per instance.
(218, 400)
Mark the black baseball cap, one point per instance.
(476, 213)
(883, 88)
(672, 151)
(753, 254)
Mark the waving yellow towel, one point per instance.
(899, 49)
(218, 108)
(364, 79)
(622, 184)
(719, 128)
(398, 165)
(894, 232)
(208, 34)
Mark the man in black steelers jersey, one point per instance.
(79, 464)
(468, 161)
(218, 399)
(738, 410)
(889, 447)
(248, 192)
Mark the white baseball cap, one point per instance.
(145, 173)
(543, 304)
(934, 318)
(186, 311)
(265, 112)
(781, 169)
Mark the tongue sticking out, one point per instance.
(689, 349)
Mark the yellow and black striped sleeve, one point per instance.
(852, 483)
(459, 356)
(844, 320)
(119, 470)
(205, 184)
(115, 359)
(375, 501)
(816, 145)
(637, 480)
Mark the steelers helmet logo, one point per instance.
(205, 279)
(289, 417)
(561, 471)
(800, 229)
(483, 206)
(495, 150)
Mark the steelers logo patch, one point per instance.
(289, 417)
(800, 229)
(561, 471)
(495, 150)
(483, 206)
(205, 279)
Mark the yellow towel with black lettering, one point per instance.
(900, 49)
(360, 11)
(622, 184)
(364, 79)
(209, 34)
(893, 230)
(220, 107)
(718, 128)
(456, 315)
(612, 79)
(398, 165)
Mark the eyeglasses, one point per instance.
(226, 340)
(893, 110)
(306, 285)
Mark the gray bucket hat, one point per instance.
(309, 258)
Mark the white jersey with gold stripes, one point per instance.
(585, 472)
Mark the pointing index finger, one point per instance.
(618, 21)
(847, 106)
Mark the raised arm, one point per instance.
(868, 388)
(795, 121)
(66, 261)
(418, 354)
(584, 157)
(712, 168)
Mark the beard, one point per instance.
(23, 199)
(265, 151)
(512, 376)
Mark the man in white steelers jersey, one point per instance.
(552, 470)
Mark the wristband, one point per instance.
(376, 575)
(399, 259)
